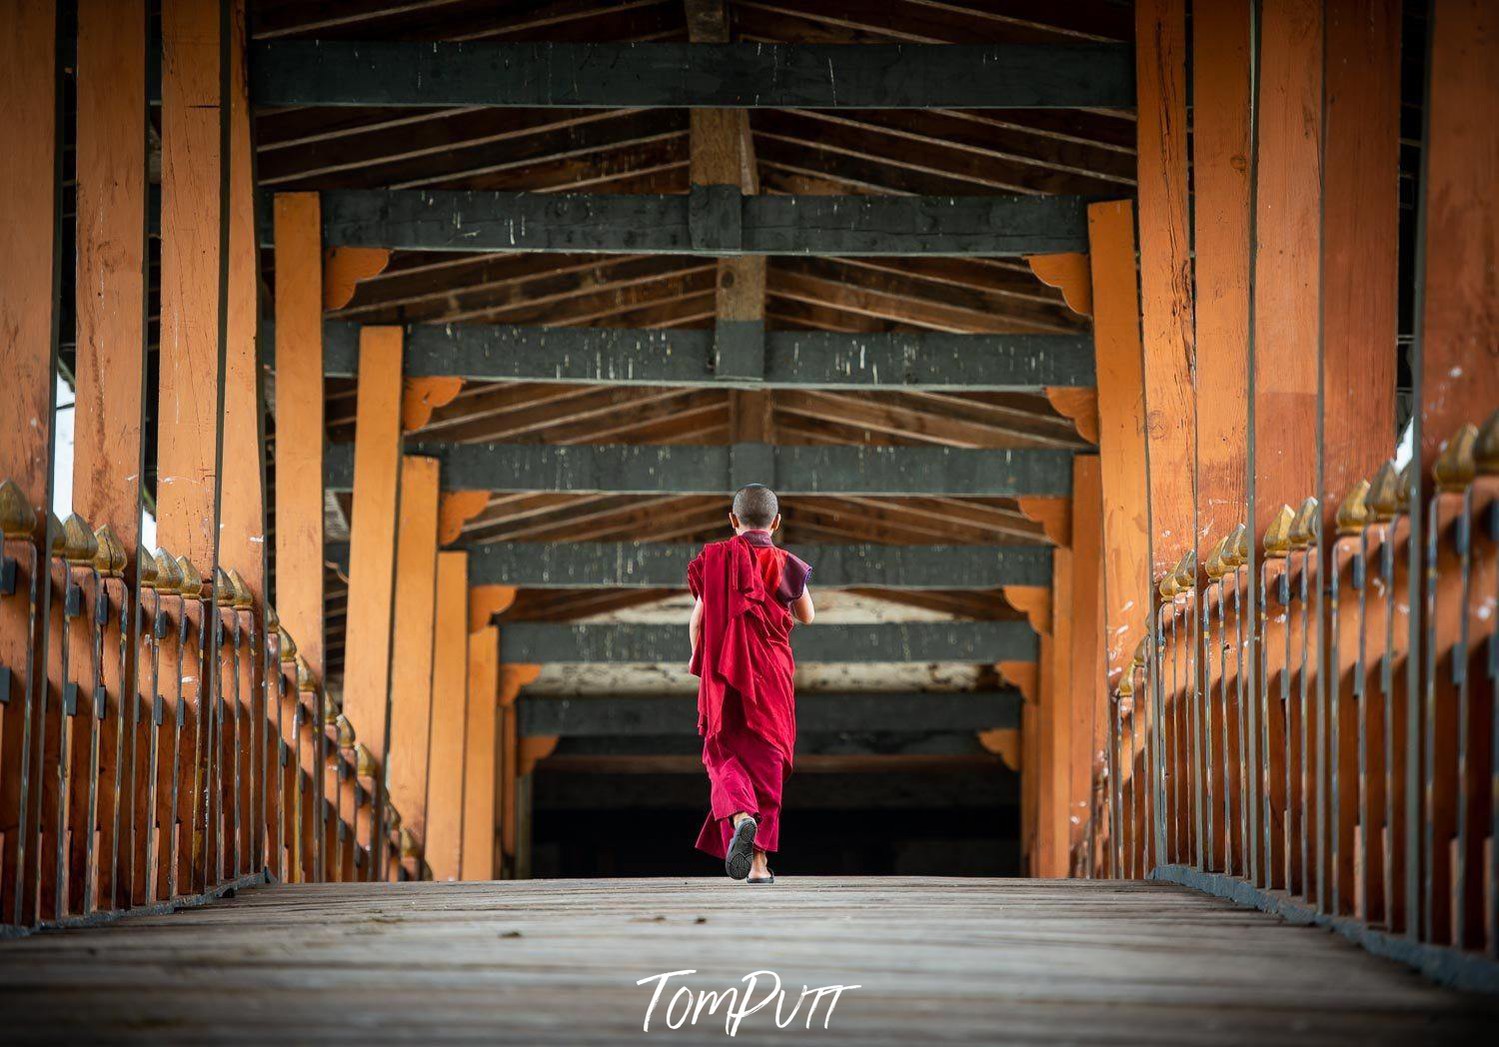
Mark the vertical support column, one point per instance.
(299, 425)
(110, 367)
(1169, 351)
(1088, 707)
(1221, 108)
(411, 648)
(372, 559)
(443, 843)
(1285, 374)
(1222, 68)
(1456, 384)
(242, 547)
(29, 282)
(480, 781)
(1055, 722)
(1360, 277)
(1125, 482)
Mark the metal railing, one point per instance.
(162, 739)
(1312, 732)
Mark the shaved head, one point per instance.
(756, 506)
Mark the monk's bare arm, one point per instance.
(695, 624)
(801, 607)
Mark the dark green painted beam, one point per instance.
(916, 713)
(792, 359)
(702, 76)
(683, 469)
(663, 565)
(986, 642)
(710, 220)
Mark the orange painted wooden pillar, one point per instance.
(29, 280)
(1088, 705)
(1359, 301)
(1168, 342)
(443, 842)
(372, 557)
(1285, 348)
(242, 534)
(1122, 452)
(480, 781)
(1457, 383)
(1053, 740)
(412, 645)
(109, 371)
(1221, 70)
(299, 423)
(1458, 377)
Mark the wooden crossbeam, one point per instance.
(713, 220)
(793, 359)
(662, 565)
(657, 469)
(619, 716)
(986, 642)
(707, 76)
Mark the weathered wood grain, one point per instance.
(790, 469)
(987, 642)
(710, 220)
(949, 960)
(616, 716)
(793, 359)
(610, 75)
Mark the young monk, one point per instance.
(748, 594)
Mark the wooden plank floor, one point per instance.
(556, 962)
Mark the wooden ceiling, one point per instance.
(970, 153)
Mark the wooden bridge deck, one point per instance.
(546, 962)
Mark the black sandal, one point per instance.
(741, 849)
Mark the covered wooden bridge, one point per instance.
(373, 369)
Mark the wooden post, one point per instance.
(1086, 732)
(1287, 312)
(109, 372)
(1166, 275)
(1121, 431)
(480, 746)
(1360, 277)
(1221, 108)
(299, 424)
(1457, 380)
(1456, 384)
(411, 646)
(29, 281)
(443, 844)
(372, 558)
(187, 496)
(1055, 724)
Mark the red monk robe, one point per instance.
(745, 700)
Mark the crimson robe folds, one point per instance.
(744, 665)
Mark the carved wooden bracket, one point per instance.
(1070, 274)
(421, 396)
(1078, 405)
(532, 749)
(1003, 742)
(344, 267)
(1022, 676)
(1034, 601)
(1053, 514)
(514, 676)
(455, 509)
(486, 601)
